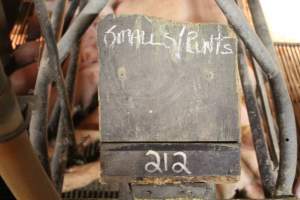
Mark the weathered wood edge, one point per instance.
(173, 180)
(222, 178)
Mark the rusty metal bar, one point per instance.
(263, 32)
(261, 149)
(239, 22)
(272, 133)
(261, 26)
(57, 18)
(78, 27)
(54, 117)
(59, 160)
(52, 67)
(72, 35)
(49, 66)
(57, 21)
(70, 82)
(70, 14)
(284, 109)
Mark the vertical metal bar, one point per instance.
(283, 104)
(49, 64)
(261, 149)
(263, 32)
(272, 133)
(70, 14)
(60, 156)
(261, 26)
(78, 27)
(57, 18)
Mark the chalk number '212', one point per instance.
(177, 167)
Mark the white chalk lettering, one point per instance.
(178, 54)
(122, 35)
(191, 36)
(208, 45)
(109, 31)
(155, 165)
(228, 49)
(167, 36)
(177, 167)
(191, 42)
(182, 166)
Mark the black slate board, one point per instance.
(159, 83)
(215, 162)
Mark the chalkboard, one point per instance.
(168, 101)
(162, 81)
(181, 161)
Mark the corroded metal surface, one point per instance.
(283, 104)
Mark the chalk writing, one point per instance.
(192, 43)
(177, 167)
(155, 165)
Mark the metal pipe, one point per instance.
(65, 128)
(261, 26)
(283, 104)
(59, 159)
(262, 31)
(38, 126)
(70, 14)
(239, 23)
(261, 149)
(79, 26)
(49, 65)
(90, 11)
(57, 22)
(70, 84)
(272, 133)
(57, 19)
(20, 168)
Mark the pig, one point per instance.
(23, 80)
(34, 29)
(26, 54)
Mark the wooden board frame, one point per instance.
(162, 81)
(203, 162)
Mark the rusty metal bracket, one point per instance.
(261, 149)
(262, 31)
(283, 104)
